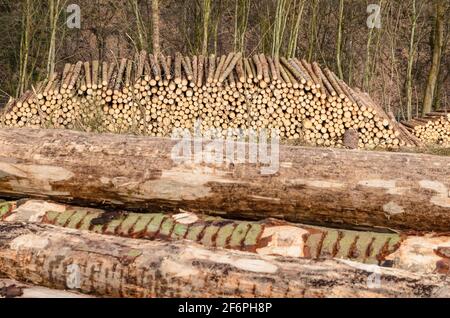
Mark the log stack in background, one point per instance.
(153, 95)
(433, 128)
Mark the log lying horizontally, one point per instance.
(13, 289)
(427, 253)
(317, 186)
(106, 265)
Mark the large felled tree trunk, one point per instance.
(425, 253)
(13, 289)
(313, 185)
(104, 265)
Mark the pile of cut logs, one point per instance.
(433, 128)
(115, 215)
(154, 95)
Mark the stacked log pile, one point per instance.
(433, 128)
(154, 95)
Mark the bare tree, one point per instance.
(411, 58)
(295, 27)
(279, 25)
(312, 37)
(368, 64)
(141, 34)
(206, 15)
(25, 43)
(438, 40)
(242, 10)
(55, 8)
(155, 24)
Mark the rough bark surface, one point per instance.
(13, 289)
(110, 266)
(416, 253)
(319, 186)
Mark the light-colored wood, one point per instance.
(313, 185)
(14, 289)
(230, 92)
(265, 237)
(110, 266)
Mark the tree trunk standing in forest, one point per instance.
(438, 40)
(206, 15)
(140, 29)
(369, 63)
(357, 189)
(279, 26)
(339, 40)
(156, 33)
(411, 55)
(242, 11)
(299, 5)
(312, 36)
(55, 8)
(27, 21)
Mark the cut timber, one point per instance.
(13, 289)
(417, 253)
(119, 267)
(312, 185)
(153, 95)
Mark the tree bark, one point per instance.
(155, 20)
(425, 253)
(111, 266)
(438, 40)
(339, 40)
(356, 189)
(13, 289)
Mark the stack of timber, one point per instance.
(153, 95)
(116, 215)
(433, 128)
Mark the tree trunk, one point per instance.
(206, 15)
(155, 20)
(411, 59)
(424, 253)
(339, 40)
(438, 41)
(13, 289)
(111, 266)
(312, 185)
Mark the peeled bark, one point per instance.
(13, 289)
(111, 266)
(417, 253)
(319, 186)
